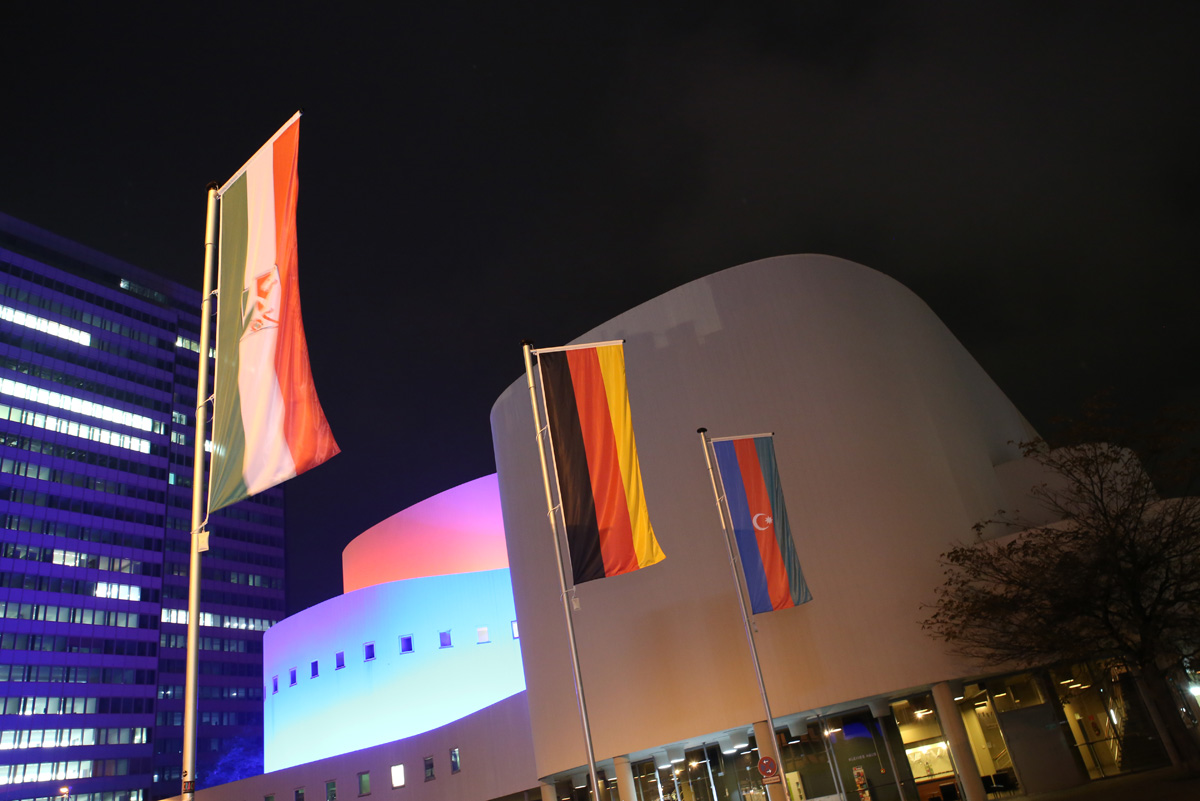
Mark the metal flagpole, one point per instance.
(199, 535)
(562, 576)
(774, 791)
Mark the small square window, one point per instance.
(330, 791)
(481, 635)
(364, 783)
(368, 651)
(406, 645)
(299, 794)
(454, 763)
(315, 669)
(292, 677)
(444, 639)
(398, 775)
(274, 684)
(429, 769)
(516, 633)
(339, 660)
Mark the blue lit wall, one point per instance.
(394, 695)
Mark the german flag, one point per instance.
(595, 458)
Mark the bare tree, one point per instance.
(1117, 576)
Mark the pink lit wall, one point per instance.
(456, 531)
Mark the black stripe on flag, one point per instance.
(570, 459)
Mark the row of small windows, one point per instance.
(120, 353)
(364, 778)
(15, 610)
(51, 327)
(208, 718)
(228, 576)
(108, 795)
(53, 528)
(44, 472)
(63, 738)
(61, 643)
(23, 295)
(229, 645)
(208, 692)
(180, 592)
(59, 556)
(74, 769)
(445, 640)
(76, 454)
(76, 405)
(46, 499)
(229, 554)
(219, 621)
(105, 388)
(73, 674)
(43, 705)
(70, 586)
(72, 428)
(210, 668)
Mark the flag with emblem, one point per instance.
(267, 423)
(754, 496)
(596, 461)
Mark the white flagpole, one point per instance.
(199, 535)
(562, 575)
(775, 791)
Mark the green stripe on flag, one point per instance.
(226, 481)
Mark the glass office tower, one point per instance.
(98, 368)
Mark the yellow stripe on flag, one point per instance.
(612, 368)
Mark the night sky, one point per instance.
(473, 174)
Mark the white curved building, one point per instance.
(888, 437)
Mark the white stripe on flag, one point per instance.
(267, 459)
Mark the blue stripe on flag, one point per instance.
(743, 528)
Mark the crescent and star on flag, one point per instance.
(767, 521)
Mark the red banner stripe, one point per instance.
(608, 488)
(759, 501)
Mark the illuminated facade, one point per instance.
(426, 634)
(98, 366)
(891, 443)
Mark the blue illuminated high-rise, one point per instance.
(98, 367)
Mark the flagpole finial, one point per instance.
(528, 342)
(701, 430)
(211, 186)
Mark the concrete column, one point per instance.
(960, 744)
(548, 793)
(764, 736)
(624, 778)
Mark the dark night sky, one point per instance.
(476, 173)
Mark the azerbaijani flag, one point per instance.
(595, 458)
(267, 423)
(754, 496)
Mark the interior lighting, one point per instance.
(660, 760)
(1001, 695)
(675, 754)
(1194, 690)
(47, 326)
(923, 712)
(73, 404)
(741, 740)
(726, 744)
(693, 764)
(831, 732)
(579, 781)
(959, 697)
(1066, 681)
